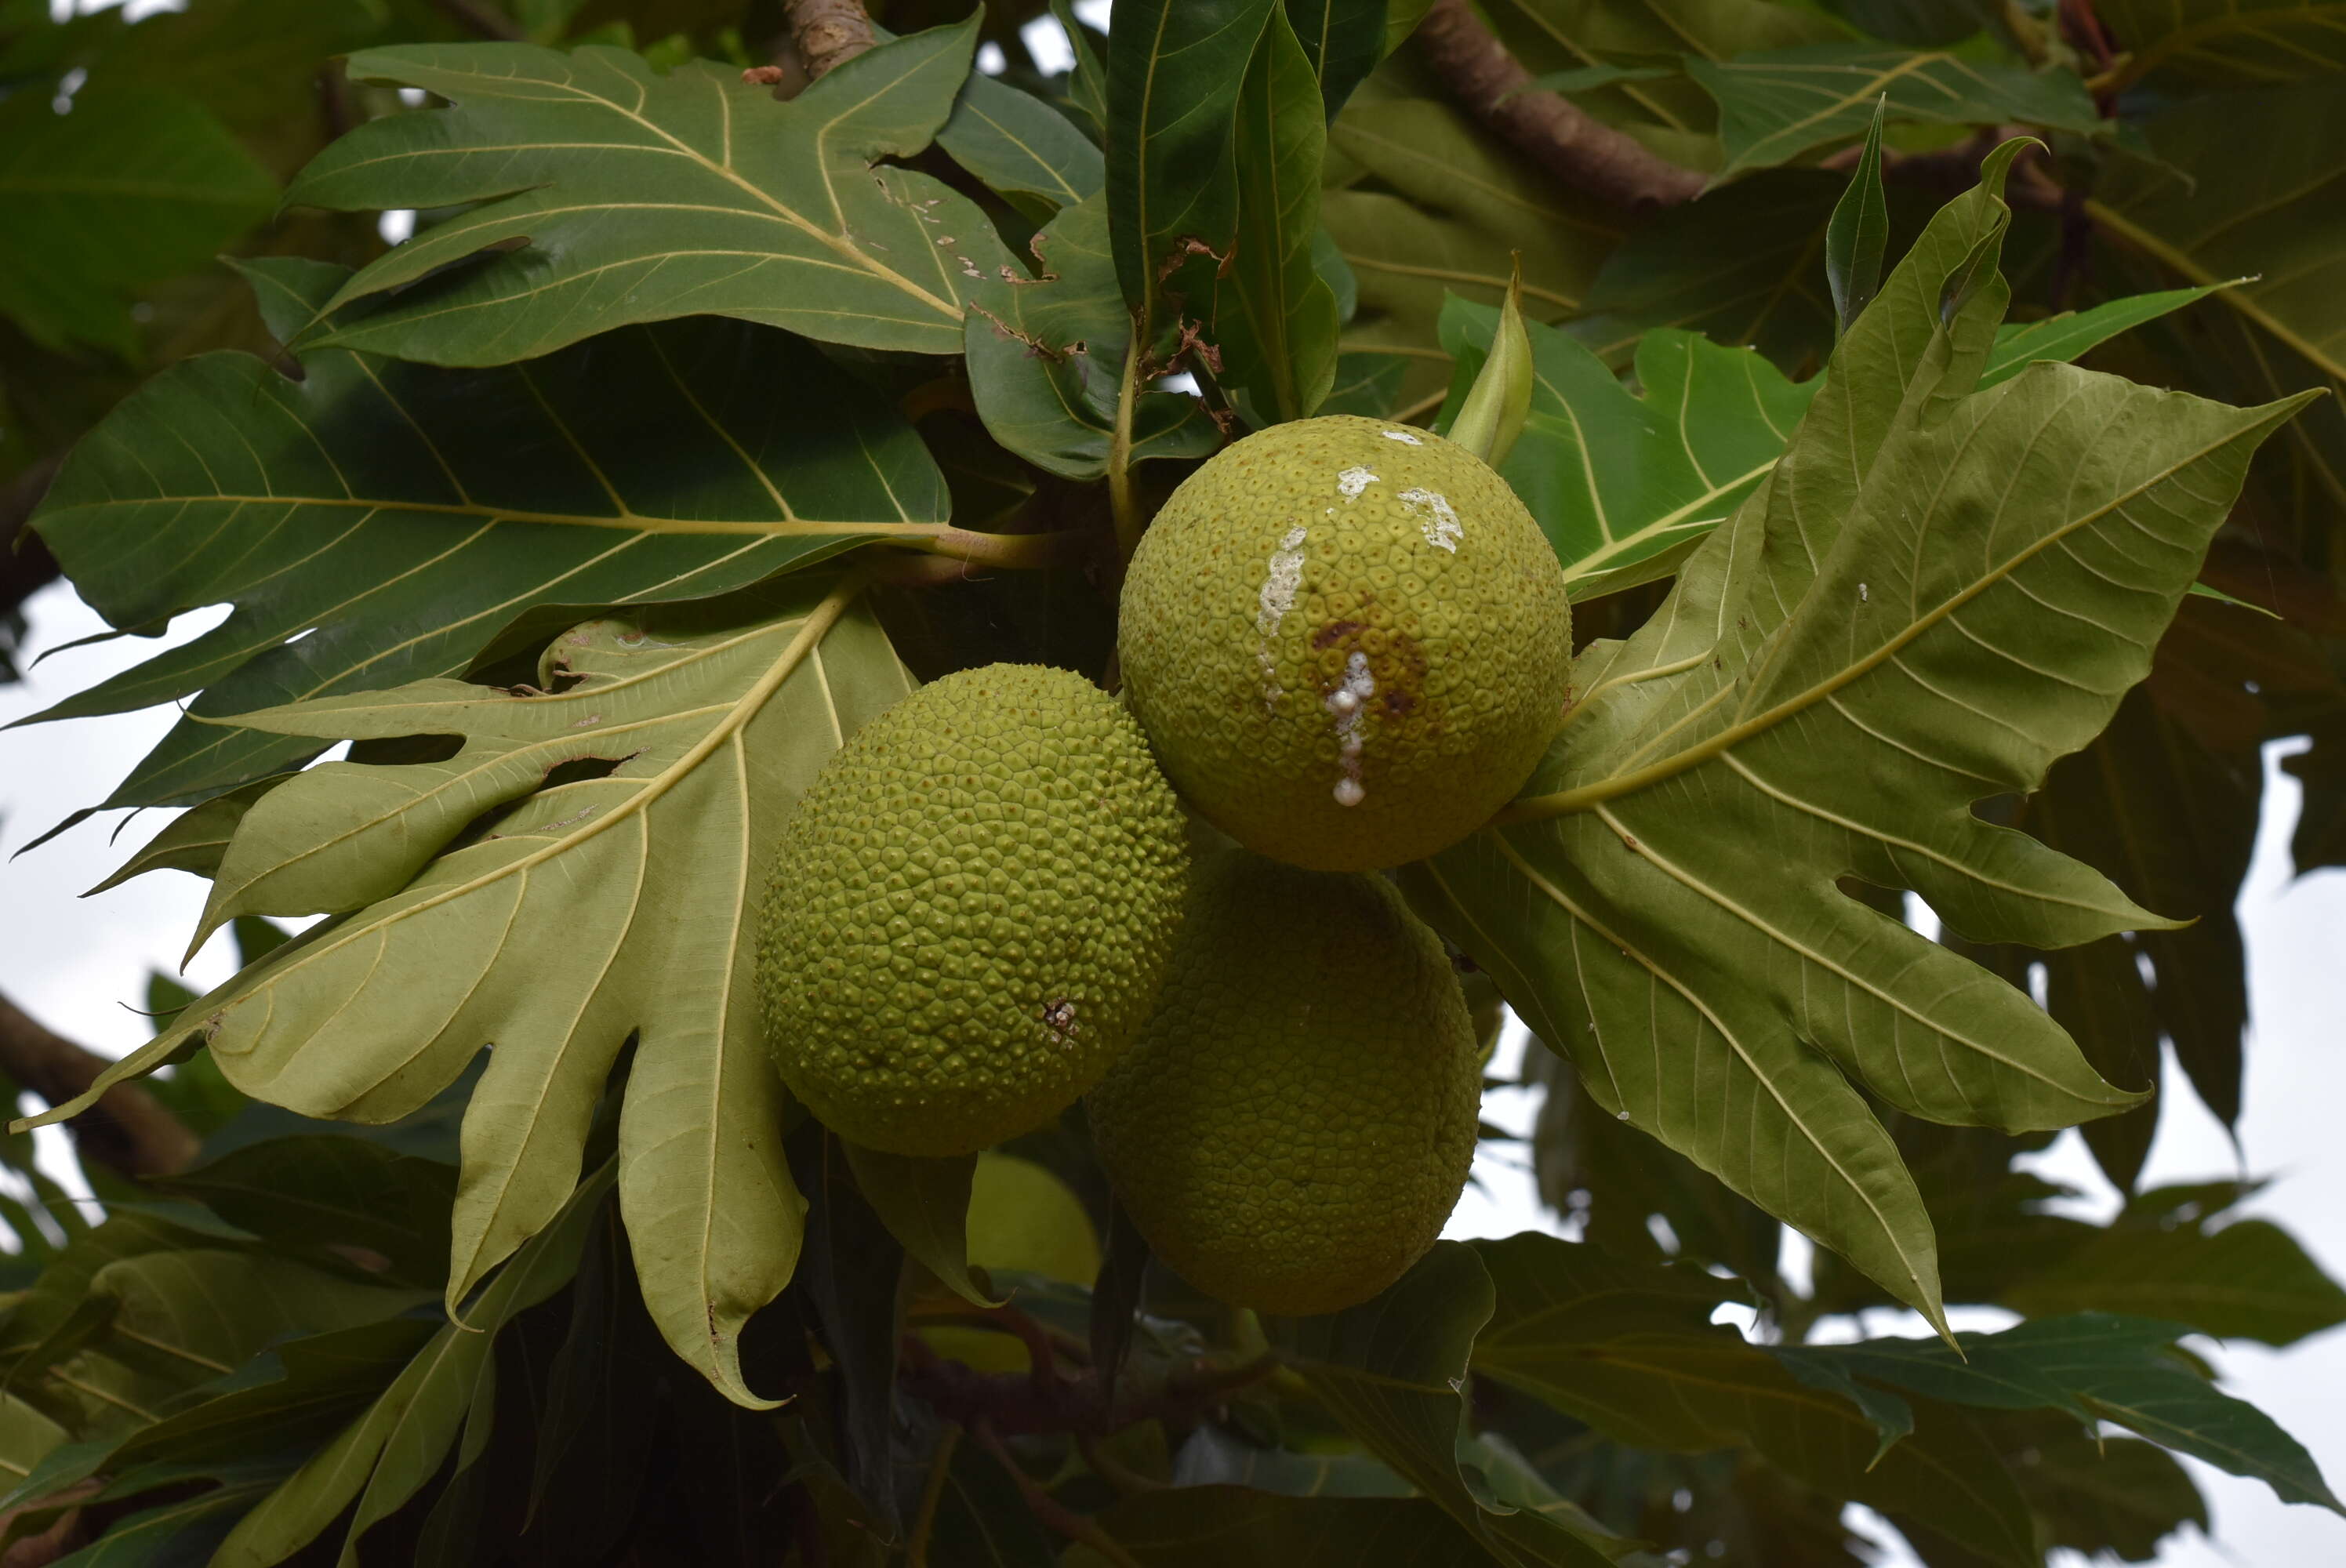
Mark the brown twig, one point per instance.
(129, 1130)
(1494, 86)
(828, 33)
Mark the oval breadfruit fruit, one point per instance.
(1296, 1122)
(1349, 641)
(971, 912)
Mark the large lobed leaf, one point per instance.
(1827, 692)
(582, 871)
(607, 194)
(403, 515)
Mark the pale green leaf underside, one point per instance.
(484, 906)
(1836, 679)
(616, 195)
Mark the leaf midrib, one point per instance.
(817, 622)
(1588, 796)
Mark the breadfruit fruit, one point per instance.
(1295, 1123)
(1349, 641)
(971, 912)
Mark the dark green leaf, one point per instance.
(1087, 85)
(924, 1205)
(1173, 84)
(1775, 105)
(1743, 264)
(2066, 336)
(1394, 1371)
(390, 1452)
(2108, 1494)
(605, 193)
(1627, 1349)
(1047, 367)
(981, 1519)
(176, 1535)
(1454, 210)
(129, 187)
(1275, 320)
(1020, 146)
(1859, 231)
(595, 1440)
(2093, 1365)
(1116, 1293)
(2276, 219)
(193, 840)
(329, 1191)
(2227, 43)
(1344, 40)
(650, 466)
(1673, 118)
(1918, 23)
(1625, 485)
(2249, 1280)
(848, 1272)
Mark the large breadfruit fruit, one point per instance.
(971, 912)
(1295, 1124)
(1348, 640)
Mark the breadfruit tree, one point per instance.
(977, 667)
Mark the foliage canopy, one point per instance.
(1937, 464)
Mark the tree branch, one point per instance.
(129, 1130)
(1565, 140)
(828, 33)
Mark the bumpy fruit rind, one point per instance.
(971, 912)
(1295, 1124)
(1349, 641)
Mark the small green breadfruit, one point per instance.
(1295, 1124)
(971, 912)
(1349, 641)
